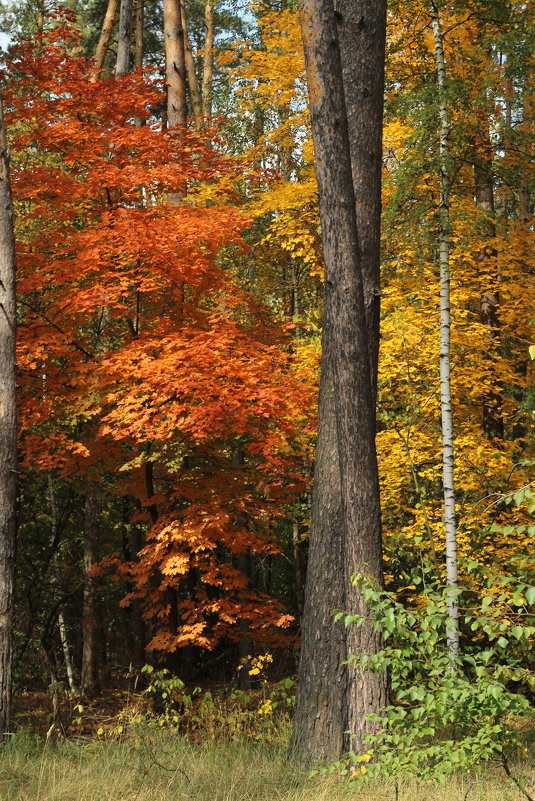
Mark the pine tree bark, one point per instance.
(175, 64)
(195, 94)
(8, 429)
(208, 67)
(105, 38)
(139, 26)
(450, 523)
(122, 65)
(346, 520)
(362, 33)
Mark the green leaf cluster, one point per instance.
(445, 715)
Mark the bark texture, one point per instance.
(122, 65)
(8, 430)
(450, 523)
(139, 25)
(208, 69)
(105, 38)
(346, 522)
(362, 34)
(175, 64)
(194, 91)
(90, 613)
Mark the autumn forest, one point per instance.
(267, 401)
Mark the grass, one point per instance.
(152, 765)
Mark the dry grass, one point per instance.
(160, 766)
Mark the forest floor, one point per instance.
(110, 755)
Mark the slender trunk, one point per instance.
(55, 581)
(325, 724)
(105, 38)
(208, 67)
(175, 65)
(40, 22)
(89, 678)
(243, 564)
(122, 65)
(139, 24)
(450, 525)
(524, 193)
(298, 569)
(488, 270)
(196, 100)
(136, 617)
(171, 593)
(8, 430)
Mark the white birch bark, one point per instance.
(55, 581)
(450, 525)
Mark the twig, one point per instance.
(507, 770)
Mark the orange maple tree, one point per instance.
(141, 358)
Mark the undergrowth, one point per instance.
(161, 765)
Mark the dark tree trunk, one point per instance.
(345, 532)
(8, 430)
(137, 624)
(90, 614)
(490, 296)
(321, 708)
(362, 33)
(139, 25)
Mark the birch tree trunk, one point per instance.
(122, 65)
(8, 429)
(450, 524)
(346, 523)
(56, 583)
(105, 38)
(208, 68)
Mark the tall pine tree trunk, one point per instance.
(346, 521)
(362, 32)
(196, 100)
(450, 524)
(175, 64)
(122, 65)
(105, 38)
(208, 68)
(139, 27)
(8, 429)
